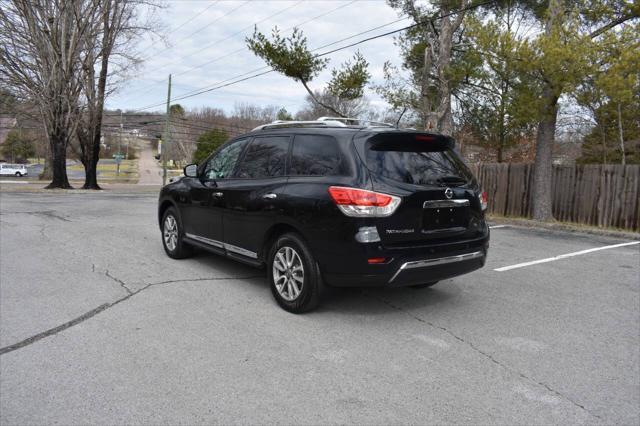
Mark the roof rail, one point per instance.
(356, 122)
(278, 124)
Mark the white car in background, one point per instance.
(17, 170)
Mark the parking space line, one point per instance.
(498, 226)
(563, 256)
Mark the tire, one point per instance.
(173, 236)
(18, 174)
(288, 253)
(425, 285)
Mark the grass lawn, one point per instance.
(107, 172)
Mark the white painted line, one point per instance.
(13, 181)
(499, 226)
(563, 256)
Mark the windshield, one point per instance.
(425, 165)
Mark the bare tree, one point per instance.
(42, 43)
(117, 27)
(357, 108)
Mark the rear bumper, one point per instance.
(415, 268)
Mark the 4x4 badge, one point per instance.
(448, 193)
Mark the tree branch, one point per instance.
(316, 100)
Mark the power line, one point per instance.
(287, 29)
(186, 37)
(198, 91)
(173, 30)
(232, 35)
(429, 21)
(206, 26)
(242, 49)
(194, 17)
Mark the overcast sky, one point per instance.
(207, 47)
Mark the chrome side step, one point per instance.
(220, 244)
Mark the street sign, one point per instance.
(118, 158)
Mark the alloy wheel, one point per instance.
(288, 273)
(170, 232)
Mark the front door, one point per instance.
(204, 213)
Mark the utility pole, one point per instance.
(118, 158)
(165, 143)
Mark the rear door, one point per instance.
(253, 198)
(439, 193)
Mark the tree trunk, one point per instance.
(89, 158)
(545, 138)
(429, 121)
(92, 151)
(604, 145)
(440, 118)
(621, 135)
(544, 156)
(58, 144)
(91, 176)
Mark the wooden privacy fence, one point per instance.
(600, 195)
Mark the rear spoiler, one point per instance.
(410, 141)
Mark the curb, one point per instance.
(563, 226)
(107, 188)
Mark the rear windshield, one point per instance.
(418, 163)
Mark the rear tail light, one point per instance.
(361, 203)
(483, 200)
(376, 260)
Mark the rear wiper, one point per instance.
(452, 179)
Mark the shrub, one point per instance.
(208, 142)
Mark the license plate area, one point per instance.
(445, 215)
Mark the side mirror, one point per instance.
(191, 170)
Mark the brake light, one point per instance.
(361, 203)
(483, 200)
(424, 138)
(376, 260)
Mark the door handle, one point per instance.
(270, 196)
(217, 194)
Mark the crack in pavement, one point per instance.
(483, 353)
(248, 277)
(118, 280)
(47, 213)
(43, 233)
(55, 330)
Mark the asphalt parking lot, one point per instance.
(97, 325)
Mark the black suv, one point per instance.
(331, 205)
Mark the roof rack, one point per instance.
(278, 124)
(357, 122)
(323, 122)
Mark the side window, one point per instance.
(265, 157)
(316, 155)
(221, 165)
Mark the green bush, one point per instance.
(208, 142)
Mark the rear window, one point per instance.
(419, 162)
(265, 157)
(316, 155)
